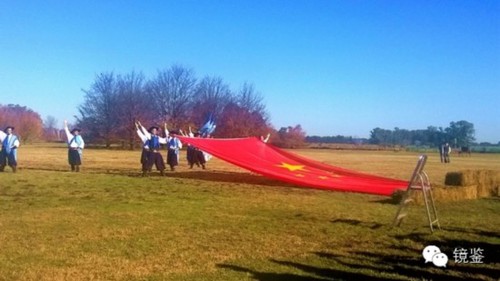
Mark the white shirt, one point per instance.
(71, 137)
(3, 135)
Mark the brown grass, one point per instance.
(225, 223)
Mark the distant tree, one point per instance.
(435, 136)
(401, 137)
(330, 139)
(251, 100)
(50, 130)
(133, 104)
(461, 133)
(212, 95)
(99, 116)
(381, 136)
(28, 124)
(290, 137)
(172, 92)
(237, 121)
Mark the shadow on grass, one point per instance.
(219, 176)
(411, 267)
(311, 273)
(491, 251)
(270, 276)
(333, 274)
(397, 262)
(371, 225)
(390, 201)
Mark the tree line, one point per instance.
(113, 102)
(174, 96)
(458, 134)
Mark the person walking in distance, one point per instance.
(446, 153)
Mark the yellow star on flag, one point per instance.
(291, 167)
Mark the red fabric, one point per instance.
(265, 159)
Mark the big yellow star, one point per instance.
(291, 167)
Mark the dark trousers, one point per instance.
(172, 159)
(144, 156)
(8, 159)
(153, 158)
(446, 158)
(195, 157)
(74, 159)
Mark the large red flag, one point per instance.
(270, 161)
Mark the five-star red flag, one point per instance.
(265, 159)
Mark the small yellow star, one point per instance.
(291, 167)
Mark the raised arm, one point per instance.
(139, 133)
(69, 136)
(144, 131)
(266, 139)
(166, 130)
(182, 133)
(2, 135)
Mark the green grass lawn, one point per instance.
(108, 223)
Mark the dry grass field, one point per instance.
(224, 223)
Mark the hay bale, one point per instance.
(487, 181)
(447, 194)
(454, 179)
(462, 185)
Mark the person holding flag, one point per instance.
(8, 155)
(75, 147)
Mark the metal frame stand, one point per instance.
(419, 182)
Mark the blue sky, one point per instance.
(335, 67)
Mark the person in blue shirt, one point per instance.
(174, 145)
(75, 147)
(152, 146)
(8, 155)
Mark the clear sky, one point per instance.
(335, 67)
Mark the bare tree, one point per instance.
(172, 92)
(51, 131)
(98, 111)
(133, 105)
(211, 97)
(251, 100)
